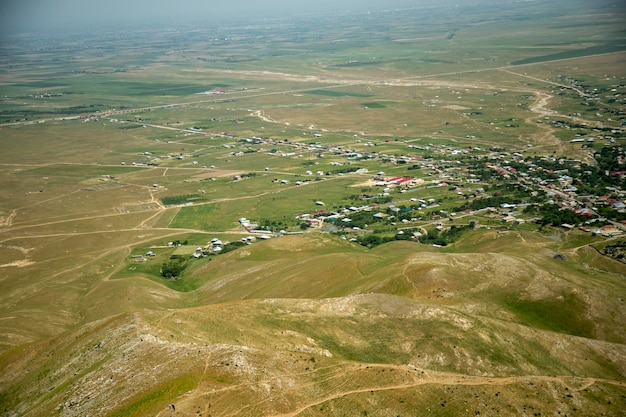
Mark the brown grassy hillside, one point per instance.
(404, 329)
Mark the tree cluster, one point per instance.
(445, 237)
(180, 199)
(173, 268)
(231, 246)
(553, 215)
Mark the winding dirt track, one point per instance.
(339, 385)
(459, 379)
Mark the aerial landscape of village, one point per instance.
(403, 210)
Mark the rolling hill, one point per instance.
(313, 325)
(441, 186)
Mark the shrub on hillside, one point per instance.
(231, 246)
(173, 268)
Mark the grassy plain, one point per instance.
(95, 141)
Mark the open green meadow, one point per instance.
(429, 195)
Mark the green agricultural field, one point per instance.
(433, 190)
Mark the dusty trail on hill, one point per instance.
(340, 384)
(452, 380)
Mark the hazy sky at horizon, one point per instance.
(18, 15)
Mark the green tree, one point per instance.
(173, 268)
